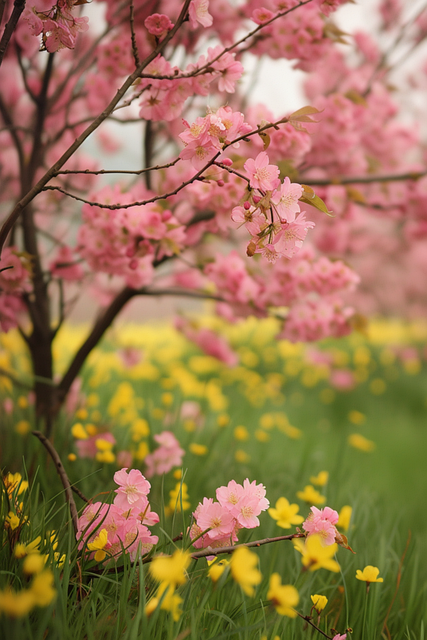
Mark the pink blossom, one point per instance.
(247, 511)
(291, 235)
(286, 200)
(212, 515)
(322, 522)
(199, 13)
(158, 24)
(262, 175)
(167, 456)
(132, 488)
(228, 496)
(262, 15)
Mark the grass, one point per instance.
(278, 418)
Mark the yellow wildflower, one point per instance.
(311, 495)
(369, 574)
(344, 517)
(358, 441)
(16, 603)
(284, 596)
(321, 479)
(222, 420)
(142, 451)
(217, 568)
(22, 402)
(315, 555)
(167, 399)
(241, 433)
(33, 563)
(319, 602)
(198, 449)
(356, 417)
(169, 600)
(12, 520)
(82, 413)
(14, 481)
(243, 566)
(42, 588)
(98, 545)
(285, 514)
(79, 432)
(23, 427)
(171, 569)
(21, 550)
(241, 456)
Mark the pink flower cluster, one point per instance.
(58, 26)
(322, 522)
(216, 524)
(126, 521)
(272, 213)
(207, 136)
(163, 98)
(125, 241)
(307, 285)
(168, 455)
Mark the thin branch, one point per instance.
(133, 39)
(137, 172)
(18, 8)
(310, 621)
(80, 494)
(63, 476)
(182, 293)
(255, 543)
(398, 177)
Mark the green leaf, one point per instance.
(265, 138)
(303, 115)
(309, 197)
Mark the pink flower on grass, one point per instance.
(322, 522)
(132, 488)
(247, 512)
(262, 175)
(167, 456)
(230, 495)
(211, 515)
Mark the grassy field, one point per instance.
(355, 409)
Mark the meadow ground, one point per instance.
(346, 418)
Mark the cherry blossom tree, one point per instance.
(228, 194)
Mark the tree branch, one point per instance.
(255, 543)
(18, 8)
(64, 478)
(398, 177)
